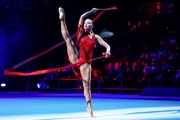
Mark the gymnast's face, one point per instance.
(88, 25)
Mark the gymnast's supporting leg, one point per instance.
(71, 48)
(85, 70)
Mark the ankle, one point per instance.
(61, 18)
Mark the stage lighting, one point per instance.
(3, 84)
(42, 85)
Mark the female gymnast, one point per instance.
(80, 51)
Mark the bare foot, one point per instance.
(61, 13)
(89, 109)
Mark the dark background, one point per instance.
(28, 27)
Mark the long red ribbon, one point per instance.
(9, 71)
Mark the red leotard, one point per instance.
(85, 46)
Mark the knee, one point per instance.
(68, 40)
(86, 85)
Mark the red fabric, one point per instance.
(76, 67)
(85, 46)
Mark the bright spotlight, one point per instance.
(3, 84)
(42, 85)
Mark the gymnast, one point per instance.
(80, 52)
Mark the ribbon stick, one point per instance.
(111, 8)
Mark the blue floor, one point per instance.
(117, 106)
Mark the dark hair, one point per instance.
(106, 34)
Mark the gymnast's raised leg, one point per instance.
(71, 48)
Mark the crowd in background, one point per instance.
(146, 54)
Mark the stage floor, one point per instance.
(56, 106)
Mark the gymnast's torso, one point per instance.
(86, 46)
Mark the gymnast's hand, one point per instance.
(95, 9)
(106, 54)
